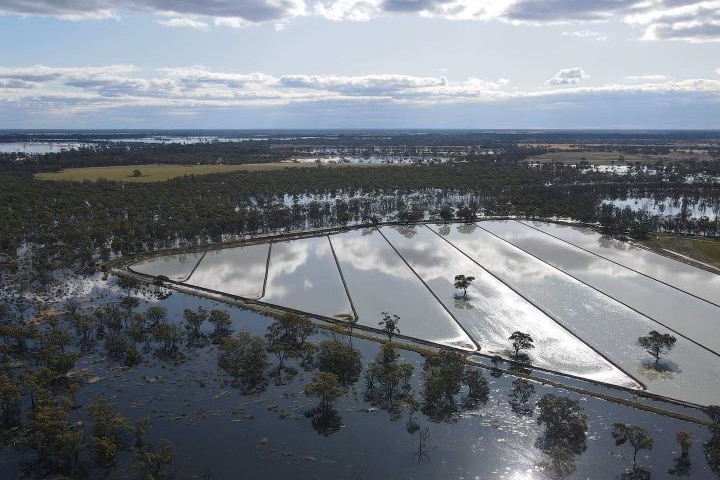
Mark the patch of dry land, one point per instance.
(159, 173)
(703, 250)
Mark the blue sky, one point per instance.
(360, 63)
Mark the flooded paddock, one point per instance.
(584, 303)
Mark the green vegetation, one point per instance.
(463, 282)
(656, 344)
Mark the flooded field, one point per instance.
(705, 285)
(686, 315)
(238, 271)
(491, 312)
(691, 373)
(175, 267)
(379, 281)
(303, 275)
(584, 306)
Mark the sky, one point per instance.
(617, 64)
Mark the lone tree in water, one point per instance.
(389, 325)
(461, 281)
(638, 439)
(521, 341)
(656, 344)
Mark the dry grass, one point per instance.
(705, 250)
(159, 173)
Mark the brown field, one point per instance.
(159, 173)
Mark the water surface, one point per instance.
(379, 281)
(692, 373)
(237, 271)
(672, 308)
(303, 275)
(492, 311)
(175, 267)
(699, 282)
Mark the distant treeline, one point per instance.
(75, 224)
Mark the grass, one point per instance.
(160, 173)
(705, 250)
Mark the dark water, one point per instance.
(215, 429)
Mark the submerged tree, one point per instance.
(463, 282)
(712, 447)
(656, 344)
(287, 339)
(564, 436)
(638, 439)
(387, 381)
(340, 359)
(521, 341)
(520, 394)
(245, 359)
(682, 464)
(326, 388)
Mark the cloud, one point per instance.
(590, 34)
(647, 78)
(251, 11)
(189, 22)
(567, 76)
(683, 20)
(67, 91)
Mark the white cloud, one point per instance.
(590, 34)
(685, 20)
(567, 76)
(85, 89)
(188, 22)
(647, 78)
(251, 11)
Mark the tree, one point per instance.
(220, 319)
(461, 281)
(520, 394)
(387, 381)
(245, 359)
(151, 460)
(342, 360)
(287, 338)
(136, 173)
(466, 213)
(521, 341)
(9, 402)
(636, 436)
(389, 325)
(682, 464)
(446, 213)
(565, 424)
(326, 387)
(194, 320)
(657, 344)
(685, 441)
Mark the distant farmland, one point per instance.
(159, 173)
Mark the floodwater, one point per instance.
(237, 271)
(671, 308)
(691, 373)
(379, 281)
(303, 275)
(699, 282)
(492, 311)
(175, 267)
